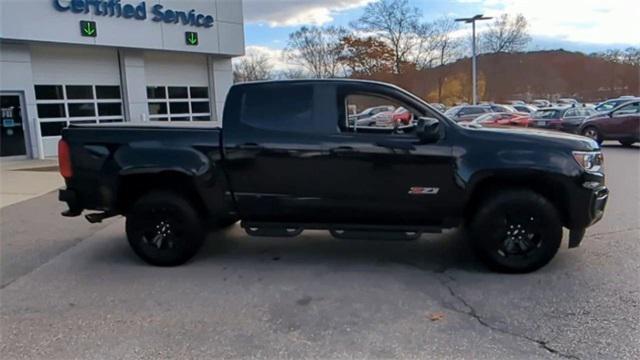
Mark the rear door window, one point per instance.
(287, 107)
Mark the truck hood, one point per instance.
(540, 137)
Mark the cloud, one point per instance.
(591, 21)
(296, 12)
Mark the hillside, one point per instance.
(530, 75)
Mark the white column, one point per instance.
(220, 80)
(134, 85)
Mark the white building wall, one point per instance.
(16, 75)
(225, 37)
(39, 45)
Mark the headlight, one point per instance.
(590, 161)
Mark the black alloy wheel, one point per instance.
(516, 231)
(163, 229)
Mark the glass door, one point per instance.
(12, 140)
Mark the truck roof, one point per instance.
(153, 124)
(328, 81)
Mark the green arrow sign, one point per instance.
(191, 38)
(88, 28)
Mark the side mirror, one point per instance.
(428, 130)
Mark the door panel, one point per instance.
(387, 180)
(275, 154)
(384, 175)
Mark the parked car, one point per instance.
(388, 119)
(611, 104)
(567, 101)
(541, 103)
(467, 112)
(503, 119)
(438, 106)
(287, 161)
(567, 119)
(369, 112)
(621, 123)
(529, 109)
(502, 108)
(516, 102)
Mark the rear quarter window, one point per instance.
(287, 107)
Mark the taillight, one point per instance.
(64, 159)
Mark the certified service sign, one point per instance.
(114, 8)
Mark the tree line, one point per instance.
(389, 37)
(391, 42)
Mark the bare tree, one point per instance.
(436, 44)
(632, 56)
(506, 34)
(425, 53)
(292, 73)
(394, 21)
(317, 49)
(447, 45)
(252, 67)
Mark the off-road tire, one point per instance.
(163, 229)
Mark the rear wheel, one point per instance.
(627, 143)
(517, 231)
(593, 133)
(163, 229)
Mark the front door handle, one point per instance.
(341, 150)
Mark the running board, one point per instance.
(340, 231)
(363, 234)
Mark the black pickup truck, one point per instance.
(290, 157)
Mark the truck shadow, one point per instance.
(432, 252)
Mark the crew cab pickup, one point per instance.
(288, 159)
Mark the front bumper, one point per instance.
(591, 206)
(598, 202)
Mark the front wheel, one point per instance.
(593, 133)
(517, 231)
(163, 229)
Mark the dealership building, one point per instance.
(103, 61)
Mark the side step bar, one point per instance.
(340, 231)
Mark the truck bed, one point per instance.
(107, 157)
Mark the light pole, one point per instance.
(474, 78)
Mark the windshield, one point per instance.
(546, 114)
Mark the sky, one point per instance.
(575, 25)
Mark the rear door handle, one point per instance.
(341, 150)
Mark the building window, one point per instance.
(61, 105)
(179, 103)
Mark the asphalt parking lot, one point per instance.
(75, 290)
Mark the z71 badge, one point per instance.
(416, 190)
